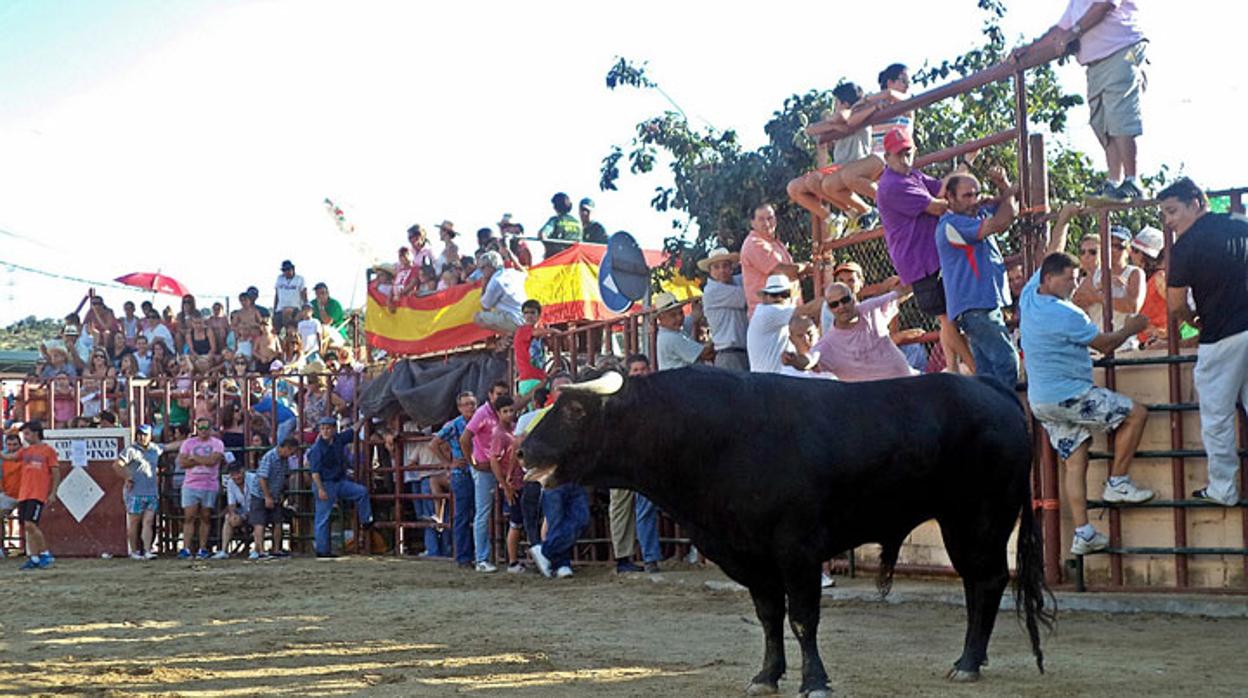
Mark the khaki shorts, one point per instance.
(1115, 84)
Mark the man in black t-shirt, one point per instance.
(1210, 257)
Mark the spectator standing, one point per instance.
(634, 518)
(503, 295)
(137, 465)
(858, 345)
(1111, 46)
(910, 204)
(510, 477)
(264, 497)
(592, 230)
(563, 225)
(762, 255)
(1209, 258)
(1056, 336)
(10, 476)
(200, 457)
(446, 444)
(129, 323)
(450, 251)
(41, 476)
(330, 468)
(973, 270)
(477, 443)
(675, 348)
(768, 333)
(723, 302)
(289, 295)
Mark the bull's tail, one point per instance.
(1029, 587)
(889, 551)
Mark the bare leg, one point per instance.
(860, 176)
(1127, 439)
(189, 516)
(439, 485)
(132, 532)
(149, 530)
(205, 523)
(801, 194)
(257, 539)
(1077, 484)
(1120, 157)
(833, 188)
(35, 542)
(954, 345)
(513, 544)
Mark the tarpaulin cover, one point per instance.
(425, 390)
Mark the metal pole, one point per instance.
(1107, 319)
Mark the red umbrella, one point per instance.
(156, 283)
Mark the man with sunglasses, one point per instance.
(858, 346)
(767, 337)
(201, 457)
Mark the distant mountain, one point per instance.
(26, 335)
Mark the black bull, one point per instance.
(772, 475)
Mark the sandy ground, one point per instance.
(391, 627)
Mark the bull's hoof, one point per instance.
(761, 689)
(957, 675)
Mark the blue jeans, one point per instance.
(484, 485)
(991, 345)
(647, 528)
(566, 508)
(437, 543)
(531, 505)
(285, 428)
(342, 489)
(464, 492)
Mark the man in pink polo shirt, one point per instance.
(201, 457)
(477, 444)
(858, 345)
(762, 254)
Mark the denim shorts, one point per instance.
(138, 503)
(7, 503)
(1071, 422)
(204, 498)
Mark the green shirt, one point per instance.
(334, 309)
(564, 227)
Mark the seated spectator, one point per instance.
(219, 326)
(101, 323)
(246, 320)
(57, 361)
(329, 312)
(502, 296)
(155, 330)
(182, 322)
(78, 346)
(129, 367)
(265, 347)
(115, 348)
(405, 277)
(1149, 254)
(450, 277)
(468, 270)
(1056, 336)
(768, 334)
(427, 281)
(129, 323)
(289, 295)
(238, 481)
(198, 340)
(422, 253)
(858, 345)
(450, 251)
(723, 302)
(803, 360)
(529, 351)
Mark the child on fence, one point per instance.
(530, 352)
(510, 477)
(41, 476)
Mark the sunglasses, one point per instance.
(202, 427)
(847, 300)
(1089, 251)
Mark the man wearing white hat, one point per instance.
(723, 302)
(675, 348)
(768, 334)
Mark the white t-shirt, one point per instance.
(676, 350)
(725, 308)
(289, 292)
(1118, 30)
(768, 336)
(310, 334)
(505, 293)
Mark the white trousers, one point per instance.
(1222, 378)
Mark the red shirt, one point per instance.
(38, 461)
(522, 346)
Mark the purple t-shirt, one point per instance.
(909, 230)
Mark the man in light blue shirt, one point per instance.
(1056, 336)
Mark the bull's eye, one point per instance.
(575, 412)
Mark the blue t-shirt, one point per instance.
(1055, 338)
(450, 433)
(973, 270)
(265, 407)
(329, 458)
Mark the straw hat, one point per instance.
(663, 301)
(719, 254)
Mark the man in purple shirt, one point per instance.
(910, 203)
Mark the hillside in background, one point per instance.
(25, 335)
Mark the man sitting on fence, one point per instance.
(502, 295)
(1056, 336)
(329, 464)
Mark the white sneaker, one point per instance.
(692, 556)
(543, 564)
(149, 555)
(1083, 546)
(485, 566)
(253, 556)
(517, 568)
(221, 555)
(1126, 491)
(826, 581)
(136, 555)
(564, 571)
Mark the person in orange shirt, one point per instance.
(12, 477)
(41, 476)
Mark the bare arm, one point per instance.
(1061, 228)
(793, 271)
(56, 482)
(937, 207)
(465, 445)
(442, 448)
(1106, 342)
(1133, 299)
(1003, 218)
(1176, 301)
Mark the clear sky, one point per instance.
(200, 138)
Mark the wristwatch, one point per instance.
(1077, 30)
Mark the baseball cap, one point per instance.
(587, 203)
(897, 140)
(287, 264)
(848, 266)
(326, 422)
(1149, 241)
(145, 429)
(252, 291)
(1120, 233)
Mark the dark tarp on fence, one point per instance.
(425, 390)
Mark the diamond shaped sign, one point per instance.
(79, 493)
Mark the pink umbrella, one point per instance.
(156, 283)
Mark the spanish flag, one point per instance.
(566, 284)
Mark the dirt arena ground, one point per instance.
(390, 627)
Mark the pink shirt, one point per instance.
(202, 477)
(759, 257)
(1118, 30)
(483, 423)
(865, 352)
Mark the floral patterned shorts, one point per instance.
(1071, 422)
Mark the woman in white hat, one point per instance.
(723, 303)
(1147, 252)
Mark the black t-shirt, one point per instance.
(594, 232)
(1212, 258)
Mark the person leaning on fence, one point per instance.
(502, 295)
(1056, 336)
(476, 443)
(137, 465)
(858, 346)
(973, 271)
(330, 467)
(675, 348)
(1148, 252)
(446, 444)
(723, 302)
(201, 457)
(1209, 258)
(41, 476)
(265, 493)
(763, 254)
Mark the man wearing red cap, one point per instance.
(910, 203)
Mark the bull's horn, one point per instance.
(608, 383)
